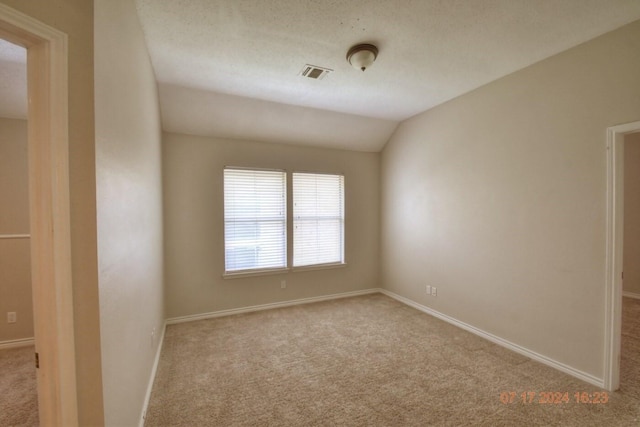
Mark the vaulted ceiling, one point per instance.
(231, 68)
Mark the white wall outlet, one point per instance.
(283, 284)
(434, 291)
(11, 317)
(428, 290)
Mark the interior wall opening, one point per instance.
(18, 387)
(630, 329)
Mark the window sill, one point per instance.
(271, 271)
(250, 273)
(319, 267)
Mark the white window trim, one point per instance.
(328, 266)
(231, 275)
(257, 272)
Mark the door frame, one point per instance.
(49, 211)
(614, 247)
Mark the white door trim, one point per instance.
(49, 212)
(614, 242)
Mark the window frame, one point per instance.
(258, 271)
(289, 231)
(325, 265)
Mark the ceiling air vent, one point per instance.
(314, 72)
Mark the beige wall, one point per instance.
(129, 187)
(14, 178)
(15, 273)
(498, 199)
(193, 203)
(631, 250)
(75, 18)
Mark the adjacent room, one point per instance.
(338, 213)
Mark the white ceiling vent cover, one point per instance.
(314, 72)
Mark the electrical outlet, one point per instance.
(283, 284)
(428, 290)
(11, 317)
(434, 291)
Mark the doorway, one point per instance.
(630, 339)
(614, 250)
(18, 385)
(49, 218)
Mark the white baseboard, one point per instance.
(152, 377)
(631, 295)
(599, 382)
(24, 342)
(270, 306)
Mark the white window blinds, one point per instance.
(318, 219)
(255, 224)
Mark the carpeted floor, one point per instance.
(18, 389)
(630, 352)
(368, 361)
(354, 362)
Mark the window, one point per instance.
(318, 219)
(255, 220)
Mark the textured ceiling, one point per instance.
(243, 56)
(198, 112)
(13, 81)
(430, 51)
(230, 68)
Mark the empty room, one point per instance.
(299, 212)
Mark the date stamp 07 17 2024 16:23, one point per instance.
(554, 397)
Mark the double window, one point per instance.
(255, 217)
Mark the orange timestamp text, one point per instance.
(554, 397)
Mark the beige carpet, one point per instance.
(630, 354)
(18, 389)
(364, 361)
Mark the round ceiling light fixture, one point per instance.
(361, 56)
